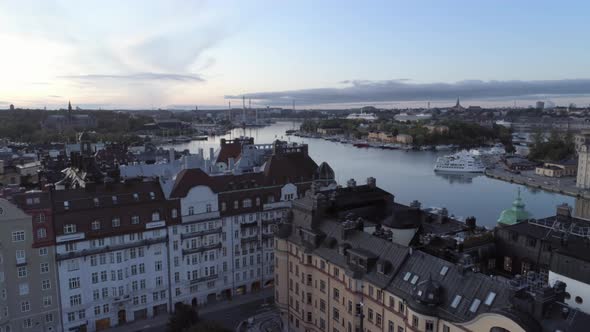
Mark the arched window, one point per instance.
(174, 213)
(41, 233)
(579, 300)
(191, 210)
(155, 216)
(95, 225)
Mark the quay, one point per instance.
(564, 185)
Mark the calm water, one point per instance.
(409, 176)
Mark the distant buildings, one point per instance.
(515, 214)
(558, 169)
(69, 121)
(583, 148)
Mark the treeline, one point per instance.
(27, 126)
(555, 148)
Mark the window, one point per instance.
(223, 206)
(322, 306)
(135, 197)
(191, 210)
(69, 229)
(27, 323)
(18, 236)
(490, 298)
(25, 306)
(174, 213)
(75, 300)
(40, 218)
(114, 198)
(444, 270)
(247, 203)
(43, 251)
(44, 267)
(415, 321)
(158, 265)
(74, 282)
(456, 301)
(66, 205)
(155, 216)
(47, 301)
(45, 284)
(446, 328)
(116, 222)
(335, 314)
(23, 289)
(48, 318)
(22, 271)
(390, 327)
(429, 326)
(71, 316)
(135, 220)
(370, 314)
(336, 294)
(96, 202)
(579, 300)
(508, 263)
(208, 208)
(475, 305)
(152, 195)
(378, 320)
(41, 233)
(95, 225)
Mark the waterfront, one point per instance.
(409, 176)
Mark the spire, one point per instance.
(69, 106)
(458, 104)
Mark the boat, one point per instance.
(290, 131)
(361, 144)
(461, 162)
(447, 147)
(200, 138)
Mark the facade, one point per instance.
(558, 170)
(29, 288)
(330, 131)
(330, 275)
(111, 253)
(583, 174)
(223, 246)
(404, 139)
(382, 136)
(435, 129)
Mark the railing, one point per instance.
(248, 239)
(94, 251)
(201, 249)
(200, 216)
(277, 205)
(200, 233)
(207, 278)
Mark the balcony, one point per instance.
(277, 205)
(187, 219)
(249, 224)
(200, 233)
(120, 299)
(253, 238)
(201, 249)
(271, 221)
(206, 278)
(94, 251)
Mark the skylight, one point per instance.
(407, 276)
(475, 305)
(490, 298)
(444, 270)
(456, 301)
(414, 279)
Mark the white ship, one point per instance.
(459, 162)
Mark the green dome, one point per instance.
(515, 214)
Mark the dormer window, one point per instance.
(96, 202)
(136, 197)
(174, 213)
(114, 198)
(66, 205)
(152, 195)
(96, 225)
(155, 216)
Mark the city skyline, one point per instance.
(328, 55)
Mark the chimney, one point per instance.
(171, 155)
(564, 210)
(1, 166)
(371, 182)
(201, 153)
(351, 183)
(230, 163)
(211, 154)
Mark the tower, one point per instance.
(69, 106)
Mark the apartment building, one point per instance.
(111, 252)
(223, 246)
(331, 275)
(28, 286)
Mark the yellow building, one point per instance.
(331, 275)
(558, 170)
(404, 139)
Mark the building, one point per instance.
(29, 291)
(111, 252)
(382, 136)
(404, 139)
(436, 129)
(517, 163)
(223, 246)
(515, 214)
(330, 131)
(9, 175)
(70, 121)
(558, 169)
(583, 173)
(331, 275)
(555, 247)
(540, 105)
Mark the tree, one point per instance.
(183, 318)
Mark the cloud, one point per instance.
(358, 91)
(138, 77)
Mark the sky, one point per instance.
(322, 54)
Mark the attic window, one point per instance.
(475, 305)
(456, 301)
(415, 279)
(444, 270)
(152, 195)
(381, 268)
(66, 205)
(96, 202)
(114, 199)
(407, 276)
(490, 299)
(135, 196)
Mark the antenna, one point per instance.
(293, 105)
